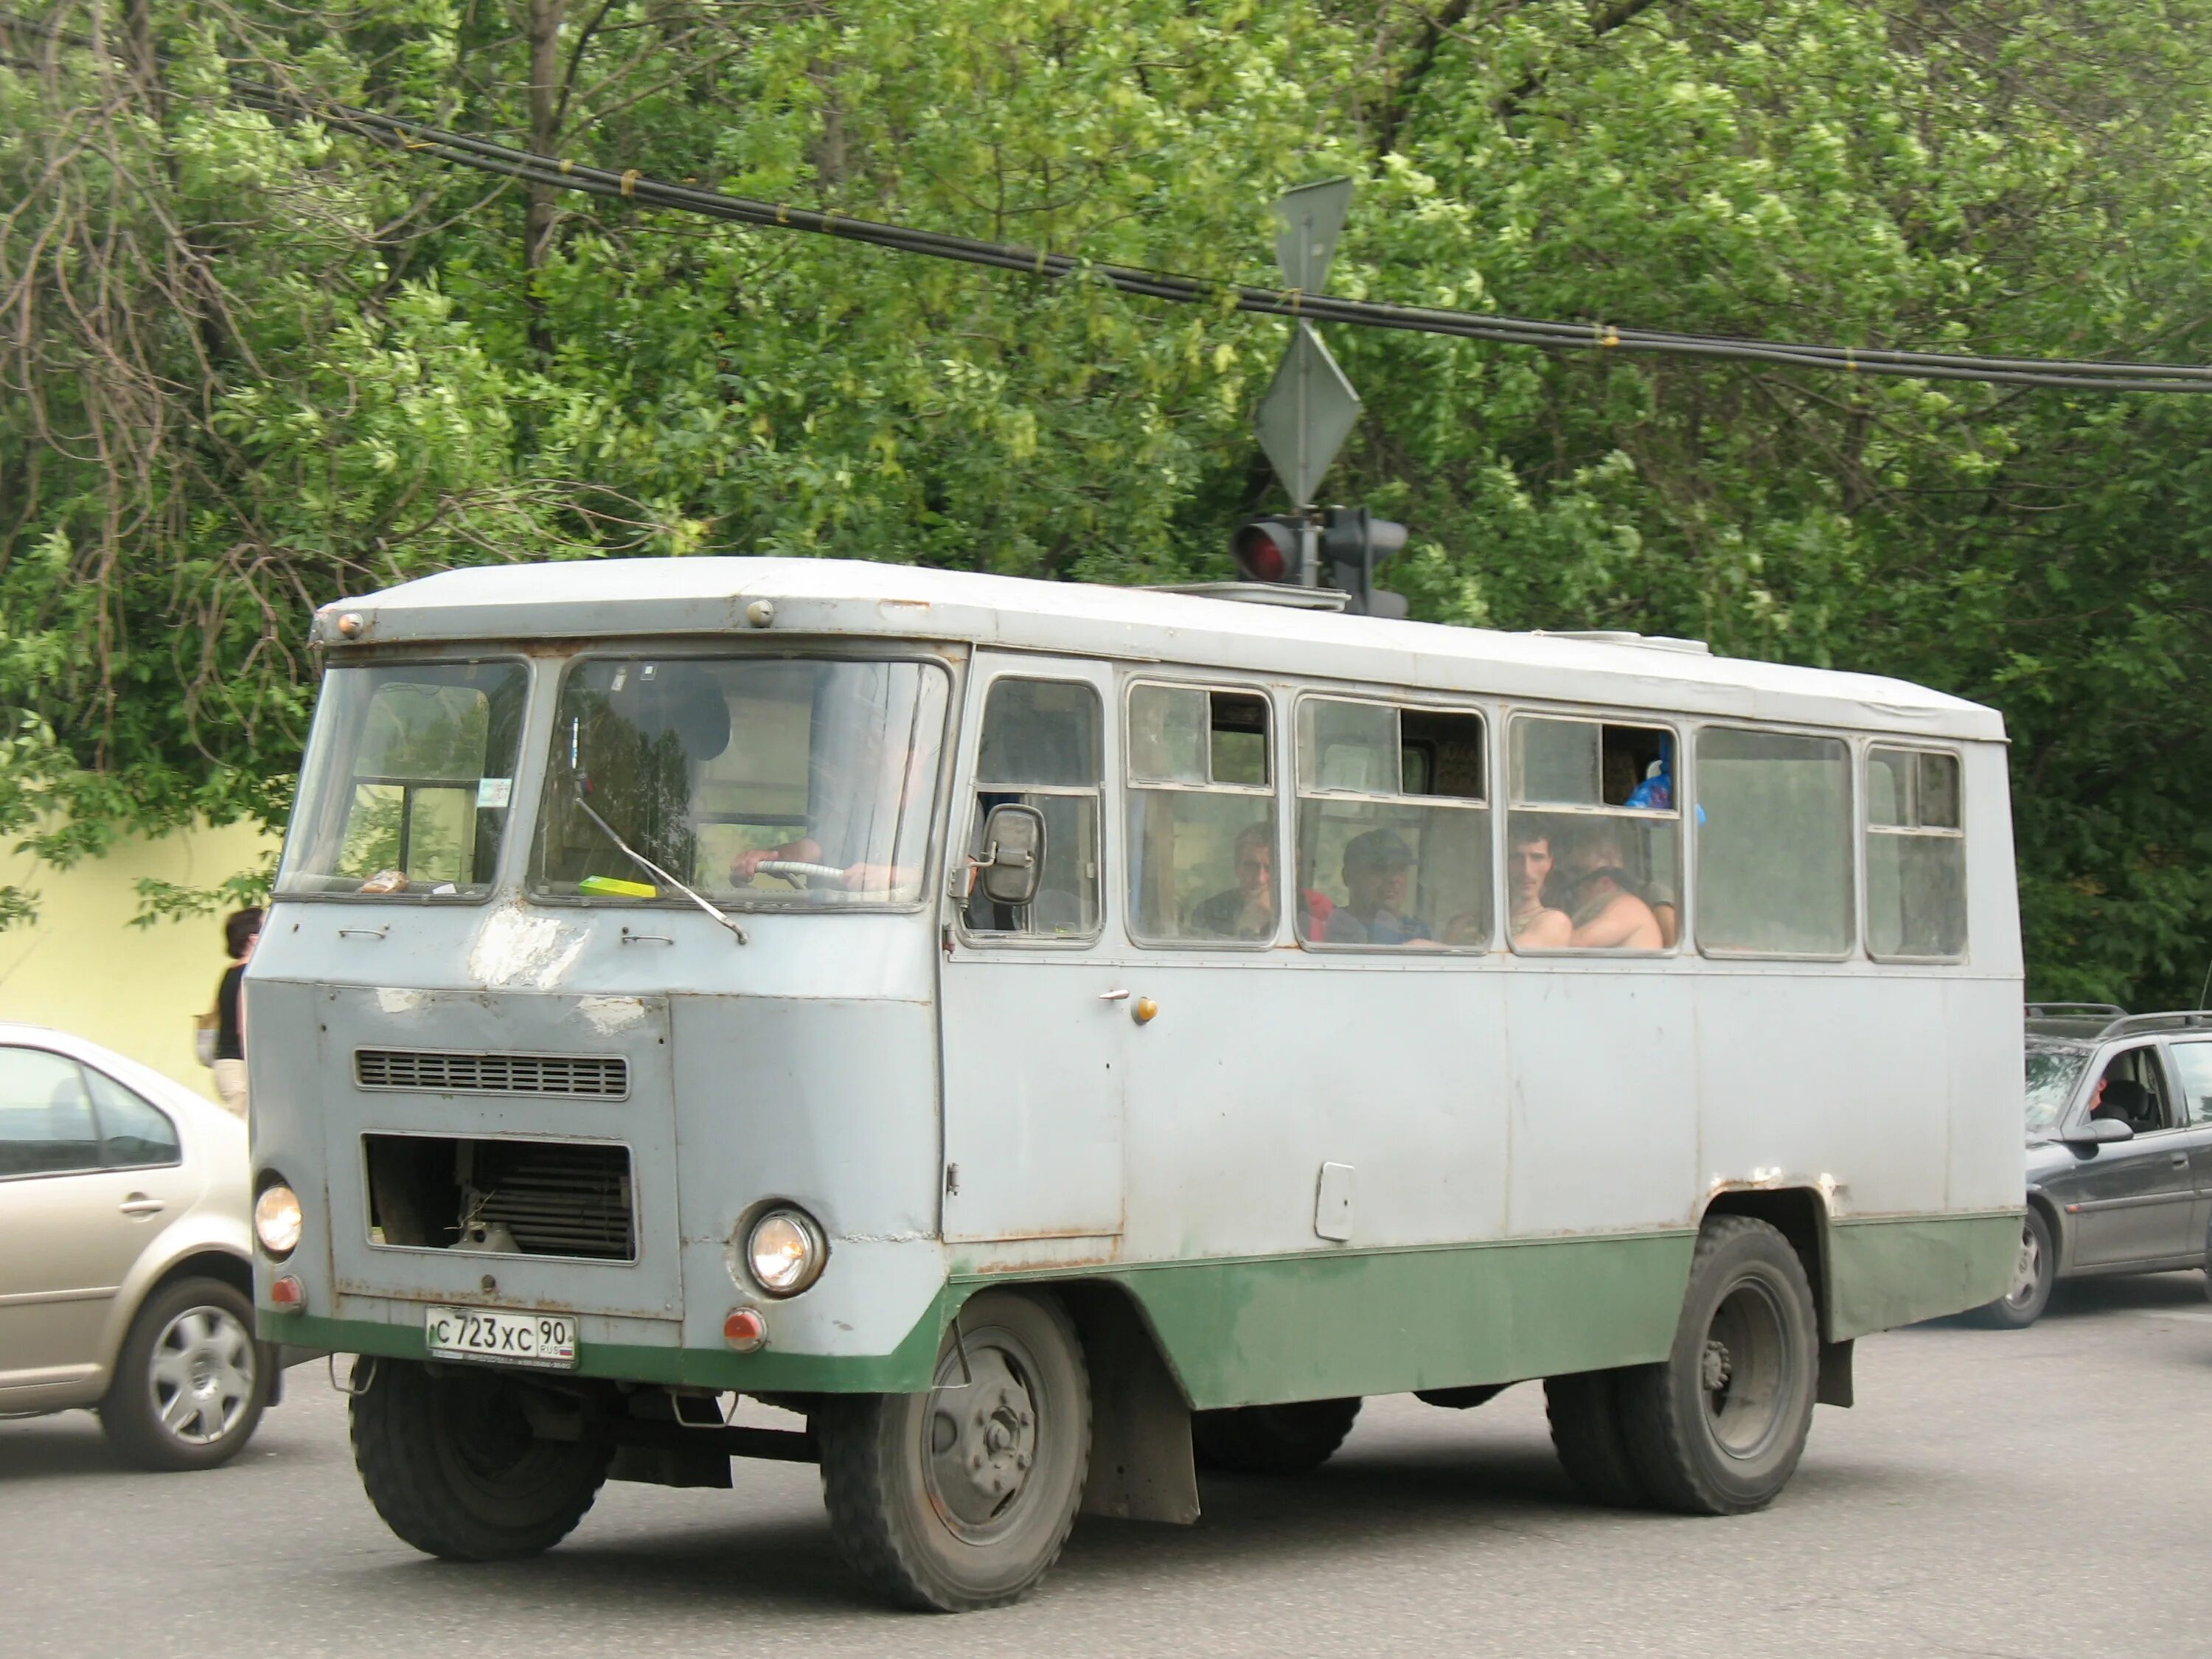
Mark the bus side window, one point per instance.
(1774, 843)
(1916, 853)
(1041, 747)
(1202, 836)
(1594, 839)
(1393, 827)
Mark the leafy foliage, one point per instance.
(250, 366)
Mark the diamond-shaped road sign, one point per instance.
(1306, 416)
(1311, 408)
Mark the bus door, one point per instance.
(1034, 997)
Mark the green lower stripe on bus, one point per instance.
(1888, 1272)
(1324, 1324)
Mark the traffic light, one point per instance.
(1270, 550)
(1353, 542)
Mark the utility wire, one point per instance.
(630, 185)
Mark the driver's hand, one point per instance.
(746, 864)
(871, 878)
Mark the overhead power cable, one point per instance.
(631, 184)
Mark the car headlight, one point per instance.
(786, 1252)
(276, 1220)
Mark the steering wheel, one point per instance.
(793, 867)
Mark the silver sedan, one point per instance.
(125, 1280)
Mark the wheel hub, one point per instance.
(982, 1440)
(1717, 1367)
(203, 1375)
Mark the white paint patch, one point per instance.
(608, 1015)
(393, 999)
(514, 949)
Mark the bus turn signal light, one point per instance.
(287, 1292)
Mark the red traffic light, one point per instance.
(1266, 550)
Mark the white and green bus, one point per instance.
(1050, 1036)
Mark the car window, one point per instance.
(46, 1116)
(2193, 1061)
(2134, 1091)
(134, 1133)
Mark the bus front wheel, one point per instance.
(1716, 1427)
(961, 1498)
(451, 1464)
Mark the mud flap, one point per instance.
(1141, 1467)
(1834, 1387)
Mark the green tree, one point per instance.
(251, 366)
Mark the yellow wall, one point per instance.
(82, 968)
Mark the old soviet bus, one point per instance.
(1037, 1032)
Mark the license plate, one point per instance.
(511, 1339)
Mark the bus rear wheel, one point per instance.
(1584, 1410)
(450, 1461)
(1289, 1439)
(1716, 1427)
(961, 1498)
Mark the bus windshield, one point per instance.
(408, 781)
(761, 783)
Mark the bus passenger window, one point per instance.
(1593, 839)
(1916, 852)
(1393, 828)
(1774, 844)
(1041, 747)
(1202, 840)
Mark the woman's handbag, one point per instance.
(204, 1030)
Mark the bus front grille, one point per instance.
(518, 1197)
(431, 1071)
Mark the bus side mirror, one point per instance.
(1011, 866)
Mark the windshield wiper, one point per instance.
(657, 873)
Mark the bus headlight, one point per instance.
(276, 1220)
(786, 1252)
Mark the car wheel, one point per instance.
(189, 1383)
(2034, 1272)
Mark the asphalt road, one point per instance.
(2047, 1492)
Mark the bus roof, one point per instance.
(602, 599)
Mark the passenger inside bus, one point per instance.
(1378, 870)
(1536, 924)
(1604, 908)
(1247, 909)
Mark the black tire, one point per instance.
(449, 1461)
(1716, 1427)
(1584, 1410)
(961, 1498)
(1289, 1439)
(2033, 1276)
(189, 1379)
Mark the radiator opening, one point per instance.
(506, 1197)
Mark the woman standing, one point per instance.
(239, 934)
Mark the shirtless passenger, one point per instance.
(1605, 910)
(1535, 924)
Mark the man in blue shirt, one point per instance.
(1378, 869)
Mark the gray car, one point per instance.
(2119, 1149)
